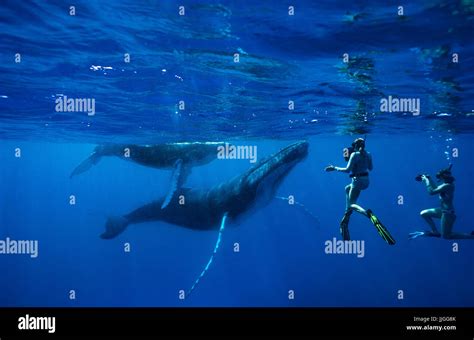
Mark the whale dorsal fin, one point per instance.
(216, 247)
(179, 175)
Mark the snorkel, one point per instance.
(445, 175)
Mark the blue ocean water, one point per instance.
(47, 53)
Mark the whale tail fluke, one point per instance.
(86, 164)
(114, 227)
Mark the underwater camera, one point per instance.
(418, 177)
(444, 173)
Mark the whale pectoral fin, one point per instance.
(114, 226)
(86, 164)
(177, 179)
(216, 248)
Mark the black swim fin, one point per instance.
(380, 228)
(344, 226)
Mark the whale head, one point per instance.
(268, 174)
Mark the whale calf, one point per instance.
(180, 157)
(204, 209)
(199, 209)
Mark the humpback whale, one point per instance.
(177, 156)
(199, 209)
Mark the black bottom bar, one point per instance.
(452, 323)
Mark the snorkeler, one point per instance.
(359, 163)
(446, 212)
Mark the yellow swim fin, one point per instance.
(380, 228)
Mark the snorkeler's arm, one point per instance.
(432, 188)
(349, 166)
(370, 165)
(439, 189)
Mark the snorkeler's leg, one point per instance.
(353, 195)
(352, 199)
(428, 216)
(447, 222)
(344, 225)
(348, 190)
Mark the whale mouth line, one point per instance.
(277, 165)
